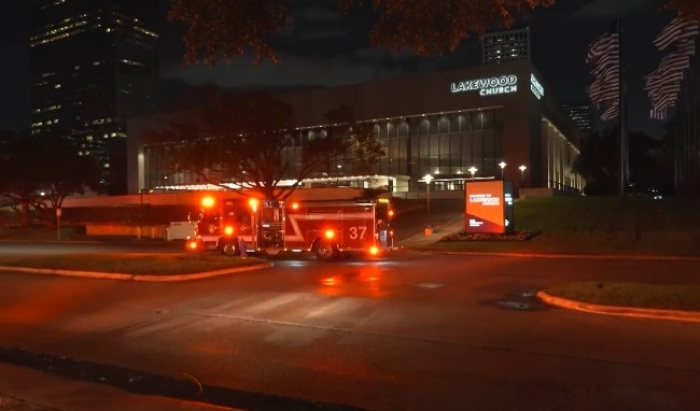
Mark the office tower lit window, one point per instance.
(93, 64)
(502, 46)
(582, 116)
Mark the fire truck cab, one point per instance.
(326, 228)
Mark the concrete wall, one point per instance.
(152, 232)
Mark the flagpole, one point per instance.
(624, 154)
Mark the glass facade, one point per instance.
(445, 145)
(93, 64)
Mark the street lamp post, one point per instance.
(502, 164)
(428, 179)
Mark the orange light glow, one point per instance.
(228, 230)
(295, 206)
(391, 213)
(192, 245)
(329, 234)
(329, 281)
(374, 250)
(208, 202)
(253, 203)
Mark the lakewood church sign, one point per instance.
(488, 86)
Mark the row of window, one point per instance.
(447, 144)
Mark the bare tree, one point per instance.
(245, 141)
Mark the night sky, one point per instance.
(322, 48)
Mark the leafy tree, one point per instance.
(647, 164)
(64, 173)
(686, 9)
(230, 28)
(19, 179)
(40, 172)
(249, 141)
(599, 161)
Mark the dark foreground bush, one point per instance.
(461, 235)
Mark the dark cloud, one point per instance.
(319, 31)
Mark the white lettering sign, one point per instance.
(488, 86)
(485, 199)
(536, 87)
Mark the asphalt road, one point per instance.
(409, 332)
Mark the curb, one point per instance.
(62, 241)
(634, 312)
(138, 277)
(560, 256)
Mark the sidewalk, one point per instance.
(23, 388)
(420, 239)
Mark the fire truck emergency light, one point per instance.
(228, 230)
(208, 202)
(253, 203)
(295, 206)
(329, 234)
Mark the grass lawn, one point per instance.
(148, 264)
(674, 297)
(599, 225)
(38, 233)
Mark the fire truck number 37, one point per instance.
(358, 232)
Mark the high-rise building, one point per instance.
(93, 63)
(502, 46)
(582, 116)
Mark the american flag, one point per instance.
(664, 84)
(604, 91)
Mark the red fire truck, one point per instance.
(325, 228)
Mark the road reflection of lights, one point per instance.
(380, 263)
(365, 282)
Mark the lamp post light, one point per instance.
(428, 179)
(473, 170)
(502, 164)
(522, 169)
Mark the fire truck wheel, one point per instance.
(230, 249)
(327, 251)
